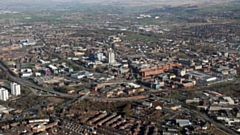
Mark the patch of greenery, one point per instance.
(140, 37)
(35, 18)
(219, 8)
(75, 68)
(149, 21)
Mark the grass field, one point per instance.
(52, 18)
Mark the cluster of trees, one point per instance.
(124, 108)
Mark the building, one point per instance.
(81, 74)
(54, 69)
(183, 122)
(202, 76)
(111, 56)
(27, 42)
(15, 89)
(26, 72)
(23, 75)
(3, 94)
(155, 70)
(99, 56)
(114, 39)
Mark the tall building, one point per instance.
(15, 89)
(99, 56)
(111, 56)
(3, 94)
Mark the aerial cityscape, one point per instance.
(120, 67)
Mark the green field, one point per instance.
(147, 21)
(140, 37)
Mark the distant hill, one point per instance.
(110, 2)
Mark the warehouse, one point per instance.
(202, 76)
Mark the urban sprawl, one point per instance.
(120, 70)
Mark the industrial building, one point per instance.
(183, 122)
(26, 72)
(81, 74)
(28, 42)
(155, 70)
(201, 76)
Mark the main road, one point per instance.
(27, 83)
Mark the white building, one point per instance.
(3, 94)
(99, 56)
(81, 74)
(111, 56)
(28, 42)
(23, 75)
(15, 89)
(229, 100)
(183, 122)
(26, 72)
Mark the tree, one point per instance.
(127, 110)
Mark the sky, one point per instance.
(83, 1)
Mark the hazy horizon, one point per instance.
(55, 4)
(105, 1)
